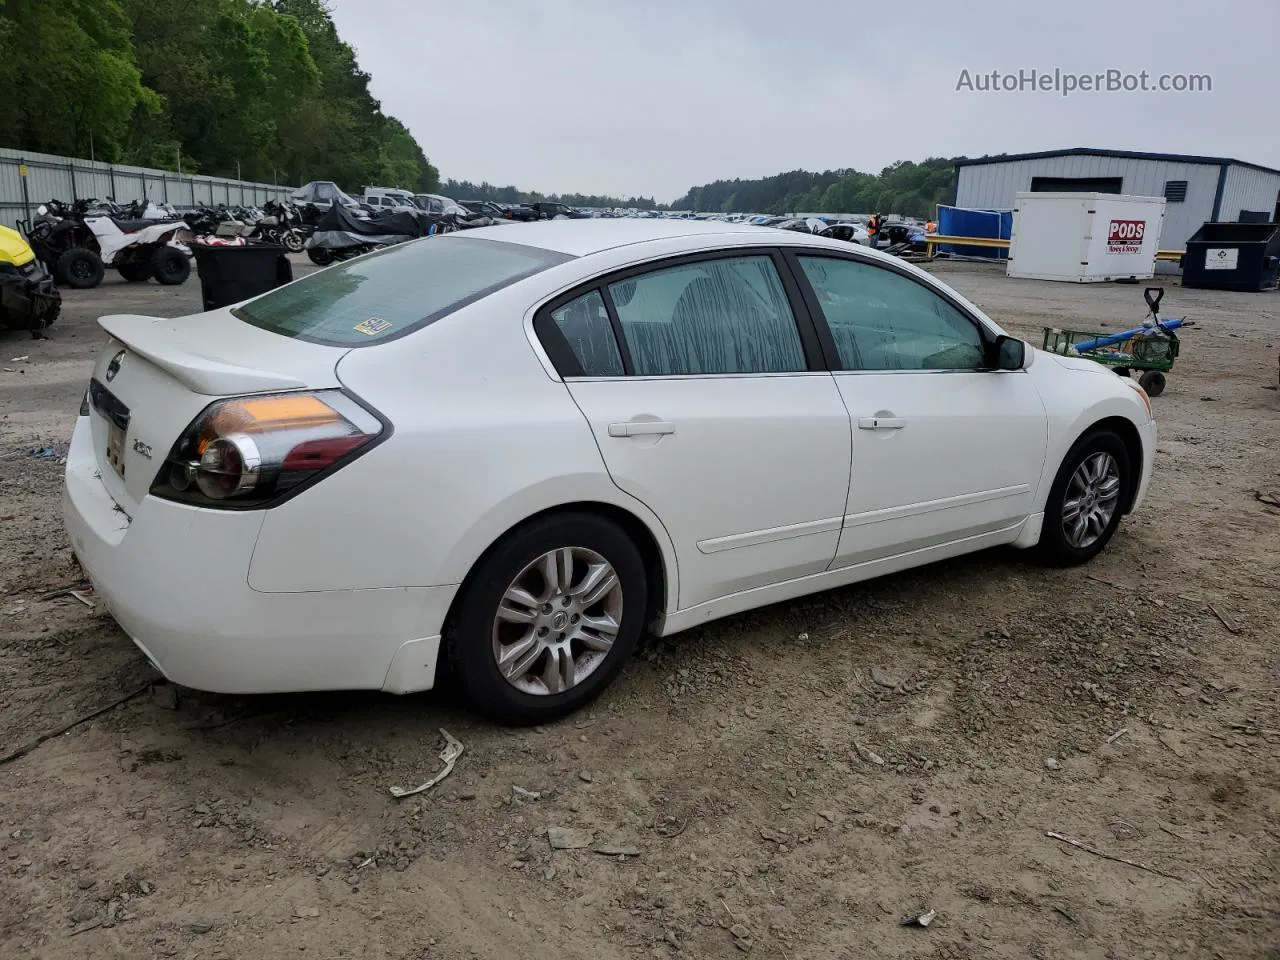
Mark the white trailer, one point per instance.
(1084, 237)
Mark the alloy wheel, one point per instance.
(557, 621)
(1091, 499)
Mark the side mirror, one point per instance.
(1011, 354)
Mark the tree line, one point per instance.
(261, 89)
(267, 90)
(907, 188)
(466, 190)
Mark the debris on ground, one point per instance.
(1108, 856)
(520, 793)
(919, 919)
(449, 755)
(566, 838)
(870, 756)
(616, 850)
(883, 678)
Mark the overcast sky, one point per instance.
(650, 97)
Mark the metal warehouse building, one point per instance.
(1197, 188)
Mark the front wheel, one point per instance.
(79, 268)
(320, 256)
(549, 618)
(1086, 500)
(170, 266)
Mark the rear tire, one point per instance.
(293, 241)
(170, 266)
(319, 256)
(1153, 382)
(507, 666)
(1086, 501)
(79, 268)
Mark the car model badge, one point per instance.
(114, 366)
(143, 448)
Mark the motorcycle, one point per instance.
(28, 298)
(341, 235)
(282, 224)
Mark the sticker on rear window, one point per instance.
(373, 326)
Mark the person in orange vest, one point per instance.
(931, 227)
(873, 228)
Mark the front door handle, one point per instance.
(641, 428)
(881, 423)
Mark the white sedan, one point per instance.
(517, 448)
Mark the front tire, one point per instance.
(1086, 501)
(80, 269)
(320, 256)
(549, 618)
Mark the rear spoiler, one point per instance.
(160, 341)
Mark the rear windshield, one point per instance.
(384, 295)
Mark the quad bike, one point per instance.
(80, 242)
(28, 298)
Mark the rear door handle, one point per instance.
(881, 423)
(641, 428)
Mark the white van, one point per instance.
(389, 198)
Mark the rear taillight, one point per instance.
(251, 451)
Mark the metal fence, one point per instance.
(29, 179)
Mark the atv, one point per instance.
(80, 242)
(28, 298)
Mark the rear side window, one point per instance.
(719, 316)
(387, 294)
(584, 326)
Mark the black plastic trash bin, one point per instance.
(1233, 256)
(231, 274)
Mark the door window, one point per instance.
(881, 320)
(720, 316)
(584, 326)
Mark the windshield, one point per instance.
(384, 295)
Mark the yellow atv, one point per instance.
(28, 298)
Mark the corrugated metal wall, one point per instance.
(1249, 189)
(63, 178)
(993, 185)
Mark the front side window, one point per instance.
(584, 325)
(720, 316)
(881, 320)
(383, 295)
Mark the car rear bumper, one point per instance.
(175, 578)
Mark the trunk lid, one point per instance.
(156, 375)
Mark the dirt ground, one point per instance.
(789, 783)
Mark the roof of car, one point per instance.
(580, 238)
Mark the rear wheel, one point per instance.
(320, 257)
(1086, 500)
(170, 266)
(293, 241)
(1153, 382)
(549, 618)
(79, 268)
